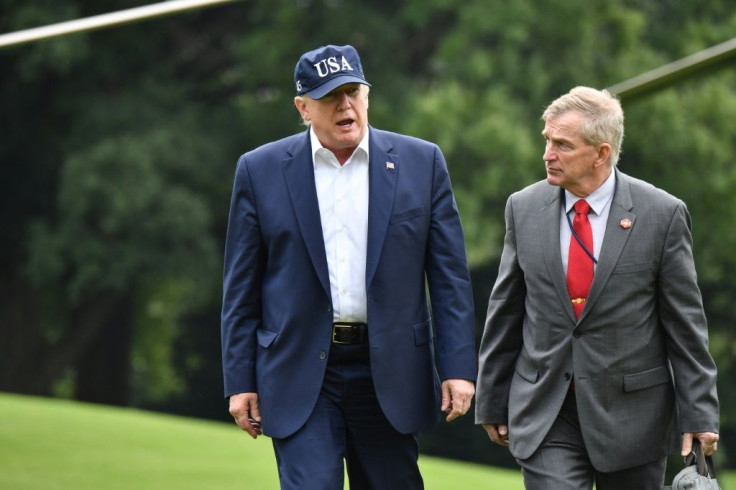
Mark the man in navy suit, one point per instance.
(335, 237)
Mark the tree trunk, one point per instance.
(22, 340)
(103, 369)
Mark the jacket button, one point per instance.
(576, 333)
(329, 308)
(567, 376)
(322, 355)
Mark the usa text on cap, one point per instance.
(322, 70)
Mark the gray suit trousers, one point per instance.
(561, 462)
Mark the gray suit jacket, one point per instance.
(639, 352)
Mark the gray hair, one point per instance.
(603, 118)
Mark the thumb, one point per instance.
(687, 444)
(446, 397)
(255, 411)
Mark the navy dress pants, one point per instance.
(348, 425)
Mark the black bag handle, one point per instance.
(704, 463)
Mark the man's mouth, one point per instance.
(345, 123)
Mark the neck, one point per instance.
(587, 188)
(342, 155)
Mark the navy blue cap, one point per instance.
(321, 71)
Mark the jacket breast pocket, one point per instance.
(646, 379)
(633, 268)
(407, 215)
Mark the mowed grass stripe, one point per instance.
(59, 444)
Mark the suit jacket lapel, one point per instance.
(381, 186)
(298, 170)
(614, 239)
(550, 216)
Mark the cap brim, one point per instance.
(332, 84)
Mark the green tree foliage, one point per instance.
(498, 64)
(124, 242)
(119, 149)
(681, 141)
(493, 72)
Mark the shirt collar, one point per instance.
(598, 198)
(317, 146)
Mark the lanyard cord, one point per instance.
(569, 222)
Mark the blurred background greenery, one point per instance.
(118, 150)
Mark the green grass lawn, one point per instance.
(55, 444)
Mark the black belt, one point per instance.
(349, 333)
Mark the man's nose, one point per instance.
(343, 101)
(548, 154)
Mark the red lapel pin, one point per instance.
(625, 223)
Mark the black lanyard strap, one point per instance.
(577, 237)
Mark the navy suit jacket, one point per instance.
(277, 308)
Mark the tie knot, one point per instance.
(582, 207)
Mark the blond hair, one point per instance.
(365, 89)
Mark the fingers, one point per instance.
(249, 425)
(255, 428)
(709, 449)
(246, 412)
(708, 442)
(457, 394)
(499, 434)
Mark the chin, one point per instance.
(351, 142)
(552, 180)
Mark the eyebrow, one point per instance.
(556, 139)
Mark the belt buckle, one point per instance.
(337, 326)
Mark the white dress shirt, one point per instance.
(342, 192)
(600, 205)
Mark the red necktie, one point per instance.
(579, 263)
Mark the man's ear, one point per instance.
(301, 106)
(604, 154)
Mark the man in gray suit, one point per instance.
(594, 361)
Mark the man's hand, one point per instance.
(245, 411)
(456, 397)
(708, 441)
(498, 433)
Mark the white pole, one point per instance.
(106, 20)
